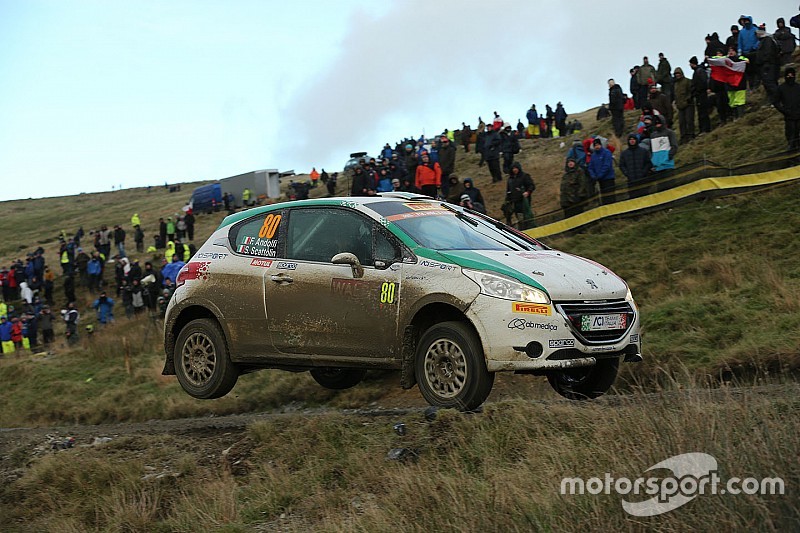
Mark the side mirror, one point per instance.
(346, 258)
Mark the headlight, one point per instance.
(506, 288)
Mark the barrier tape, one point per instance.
(665, 197)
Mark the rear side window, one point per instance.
(319, 234)
(259, 236)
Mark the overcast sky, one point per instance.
(102, 93)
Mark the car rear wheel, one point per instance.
(338, 378)
(585, 383)
(202, 364)
(450, 367)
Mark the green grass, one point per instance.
(717, 282)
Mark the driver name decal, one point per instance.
(257, 246)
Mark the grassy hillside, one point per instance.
(27, 224)
(718, 281)
(718, 285)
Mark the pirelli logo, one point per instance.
(531, 309)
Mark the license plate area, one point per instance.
(607, 322)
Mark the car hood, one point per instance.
(564, 276)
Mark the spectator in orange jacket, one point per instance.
(428, 177)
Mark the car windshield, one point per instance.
(436, 227)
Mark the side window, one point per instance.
(259, 236)
(319, 234)
(385, 249)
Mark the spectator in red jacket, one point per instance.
(16, 333)
(428, 177)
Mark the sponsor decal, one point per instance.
(415, 278)
(562, 343)
(521, 323)
(424, 207)
(266, 263)
(603, 349)
(537, 273)
(533, 255)
(635, 338)
(349, 288)
(532, 309)
(417, 214)
(436, 264)
(210, 255)
(284, 265)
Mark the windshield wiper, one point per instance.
(521, 238)
(460, 215)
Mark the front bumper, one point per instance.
(536, 337)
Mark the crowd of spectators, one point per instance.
(98, 263)
(749, 58)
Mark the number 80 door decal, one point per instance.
(388, 292)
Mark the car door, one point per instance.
(324, 309)
(254, 243)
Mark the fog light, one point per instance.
(534, 349)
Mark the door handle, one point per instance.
(281, 278)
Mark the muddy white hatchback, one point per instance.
(448, 297)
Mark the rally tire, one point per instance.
(338, 378)
(202, 363)
(585, 383)
(450, 367)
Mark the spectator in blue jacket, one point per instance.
(105, 308)
(384, 180)
(94, 268)
(748, 44)
(5, 335)
(601, 170)
(171, 270)
(748, 41)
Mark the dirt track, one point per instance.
(214, 435)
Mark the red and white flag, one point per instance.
(726, 70)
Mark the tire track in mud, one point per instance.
(11, 438)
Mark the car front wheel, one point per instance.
(450, 367)
(585, 383)
(202, 364)
(338, 378)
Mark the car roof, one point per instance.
(395, 196)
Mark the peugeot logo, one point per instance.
(591, 283)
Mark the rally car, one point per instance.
(445, 295)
